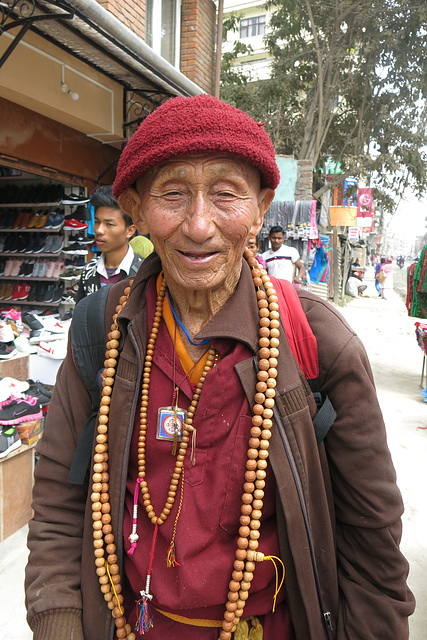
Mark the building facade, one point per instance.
(252, 19)
(77, 76)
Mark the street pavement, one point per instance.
(389, 338)
(388, 335)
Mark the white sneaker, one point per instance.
(57, 351)
(9, 386)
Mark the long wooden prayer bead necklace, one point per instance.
(256, 464)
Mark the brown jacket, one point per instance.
(348, 488)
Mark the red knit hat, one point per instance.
(199, 124)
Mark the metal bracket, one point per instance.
(135, 110)
(22, 13)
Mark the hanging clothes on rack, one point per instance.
(417, 287)
(320, 268)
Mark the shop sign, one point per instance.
(353, 233)
(365, 205)
(350, 200)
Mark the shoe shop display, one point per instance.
(43, 248)
(9, 441)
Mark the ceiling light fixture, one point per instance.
(64, 86)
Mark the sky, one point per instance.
(409, 220)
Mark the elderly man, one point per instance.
(206, 472)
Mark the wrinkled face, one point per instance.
(199, 212)
(109, 228)
(276, 240)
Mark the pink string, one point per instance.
(153, 546)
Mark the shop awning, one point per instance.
(92, 34)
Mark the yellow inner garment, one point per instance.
(193, 370)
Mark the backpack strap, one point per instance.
(136, 263)
(88, 351)
(326, 414)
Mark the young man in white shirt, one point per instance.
(113, 229)
(282, 261)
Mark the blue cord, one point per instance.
(185, 330)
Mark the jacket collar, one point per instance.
(237, 320)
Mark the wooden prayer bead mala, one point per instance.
(256, 464)
(257, 454)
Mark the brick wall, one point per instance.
(304, 184)
(198, 42)
(130, 12)
(197, 35)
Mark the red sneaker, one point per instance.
(23, 293)
(72, 225)
(16, 291)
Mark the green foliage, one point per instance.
(348, 82)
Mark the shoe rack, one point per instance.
(32, 215)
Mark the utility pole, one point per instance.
(219, 46)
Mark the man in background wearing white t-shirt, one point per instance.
(281, 261)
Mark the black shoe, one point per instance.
(30, 244)
(58, 292)
(37, 245)
(7, 350)
(72, 198)
(81, 213)
(30, 321)
(80, 239)
(40, 292)
(75, 249)
(49, 295)
(38, 390)
(21, 243)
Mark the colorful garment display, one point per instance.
(421, 333)
(320, 268)
(417, 287)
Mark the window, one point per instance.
(163, 28)
(250, 27)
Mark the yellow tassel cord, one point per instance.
(171, 560)
(113, 587)
(274, 560)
